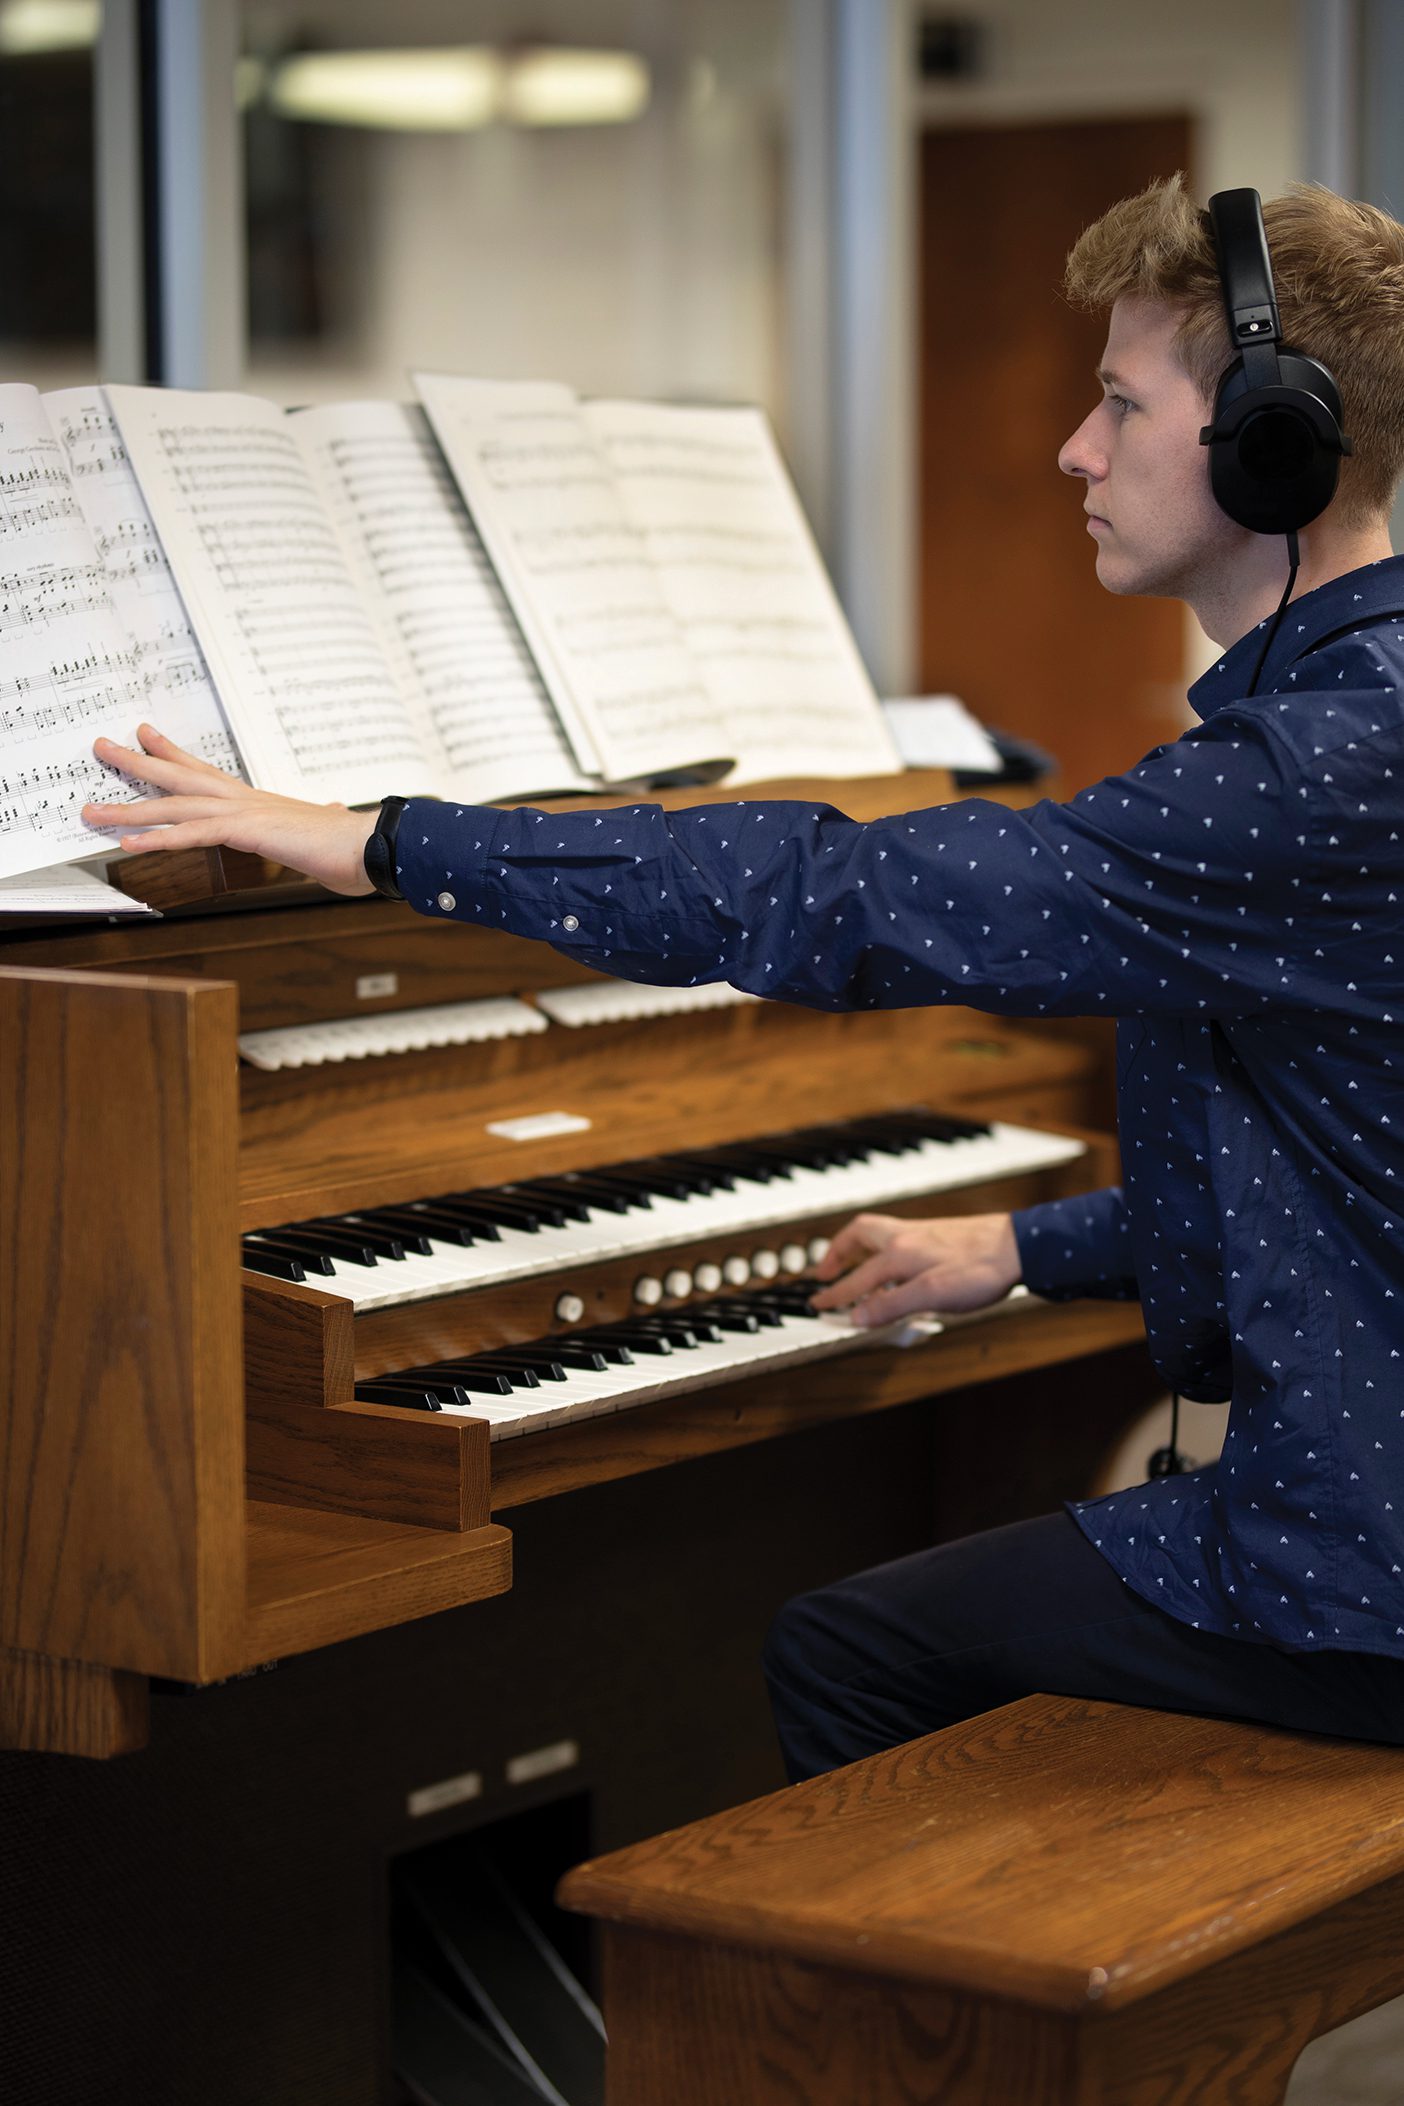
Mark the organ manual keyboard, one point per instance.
(288, 1335)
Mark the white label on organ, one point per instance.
(540, 1126)
(543, 1762)
(372, 986)
(451, 1791)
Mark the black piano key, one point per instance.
(337, 1242)
(589, 1360)
(601, 1188)
(483, 1221)
(762, 1316)
(610, 1350)
(411, 1397)
(595, 1196)
(670, 1179)
(712, 1175)
(383, 1245)
(419, 1220)
(398, 1243)
(529, 1216)
(537, 1360)
(258, 1258)
(633, 1337)
(465, 1375)
(307, 1253)
(556, 1207)
(745, 1321)
(690, 1326)
(501, 1362)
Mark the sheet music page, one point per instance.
(178, 694)
(67, 666)
(731, 546)
(66, 890)
(451, 638)
(577, 573)
(296, 661)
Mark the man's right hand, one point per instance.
(883, 1267)
(204, 808)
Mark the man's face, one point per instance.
(1157, 528)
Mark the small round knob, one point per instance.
(793, 1257)
(764, 1264)
(736, 1271)
(818, 1249)
(707, 1278)
(648, 1290)
(677, 1283)
(569, 1308)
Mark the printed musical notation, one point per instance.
(729, 546)
(175, 685)
(454, 644)
(544, 499)
(74, 665)
(297, 662)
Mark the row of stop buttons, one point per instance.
(708, 1277)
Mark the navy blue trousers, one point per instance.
(918, 1644)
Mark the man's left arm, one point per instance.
(1080, 1248)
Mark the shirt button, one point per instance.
(570, 923)
(446, 902)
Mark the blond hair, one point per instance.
(1338, 268)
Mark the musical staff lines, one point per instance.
(448, 630)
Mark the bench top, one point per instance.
(1059, 1852)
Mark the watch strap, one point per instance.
(379, 855)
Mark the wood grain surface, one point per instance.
(316, 1578)
(1055, 1852)
(121, 1539)
(65, 1707)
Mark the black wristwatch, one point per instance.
(379, 857)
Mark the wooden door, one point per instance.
(1012, 618)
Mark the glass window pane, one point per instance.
(48, 268)
(602, 206)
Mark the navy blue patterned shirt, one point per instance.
(1237, 900)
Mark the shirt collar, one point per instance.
(1347, 602)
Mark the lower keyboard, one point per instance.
(588, 1372)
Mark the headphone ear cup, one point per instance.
(1275, 453)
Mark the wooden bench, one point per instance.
(1057, 1904)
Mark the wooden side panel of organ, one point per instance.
(120, 1326)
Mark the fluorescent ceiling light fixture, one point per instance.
(402, 91)
(30, 26)
(574, 87)
(460, 89)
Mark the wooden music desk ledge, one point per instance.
(1060, 1903)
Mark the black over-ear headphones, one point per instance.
(1275, 443)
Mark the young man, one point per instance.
(1237, 900)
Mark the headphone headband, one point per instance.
(1245, 270)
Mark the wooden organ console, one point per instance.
(209, 1466)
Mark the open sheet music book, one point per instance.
(356, 634)
(629, 592)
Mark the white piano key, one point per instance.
(390, 1031)
(623, 1001)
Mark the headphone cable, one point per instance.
(1294, 559)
